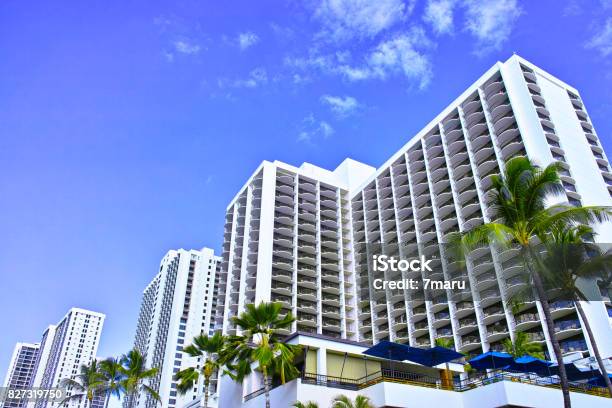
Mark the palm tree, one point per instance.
(342, 401)
(571, 257)
(522, 346)
(87, 384)
(520, 200)
(261, 343)
(113, 377)
(209, 348)
(137, 377)
(445, 342)
(308, 404)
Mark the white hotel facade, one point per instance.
(299, 235)
(21, 371)
(177, 306)
(63, 348)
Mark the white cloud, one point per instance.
(602, 40)
(349, 19)
(403, 54)
(256, 78)
(186, 47)
(247, 40)
(397, 56)
(439, 14)
(491, 22)
(341, 106)
(311, 129)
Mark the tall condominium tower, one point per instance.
(304, 236)
(176, 307)
(288, 239)
(64, 348)
(21, 371)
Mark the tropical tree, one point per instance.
(522, 346)
(523, 219)
(569, 259)
(113, 378)
(210, 349)
(137, 377)
(445, 342)
(87, 385)
(261, 343)
(342, 401)
(308, 404)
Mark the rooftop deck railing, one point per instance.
(409, 378)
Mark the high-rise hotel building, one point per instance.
(64, 348)
(177, 306)
(304, 236)
(20, 371)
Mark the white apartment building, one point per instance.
(302, 236)
(177, 306)
(288, 239)
(64, 348)
(21, 371)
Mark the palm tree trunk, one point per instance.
(206, 383)
(587, 327)
(106, 399)
(537, 282)
(266, 386)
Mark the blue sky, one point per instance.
(127, 126)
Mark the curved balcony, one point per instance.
(504, 123)
(497, 333)
(477, 129)
(526, 321)
(534, 88)
(493, 314)
(497, 99)
(500, 111)
(451, 125)
(567, 328)
(466, 325)
(511, 149)
(453, 136)
(510, 134)
(473, 118)
(493, 88)
(538, 100)
(471, 106)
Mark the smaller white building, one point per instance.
(178, 305)
(331, 367)
(20, 371)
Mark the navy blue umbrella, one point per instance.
(574, 373)
(491, 359)
(530, 364)
(598, 381)
(400, 352)
(389, 350)
(433, 356)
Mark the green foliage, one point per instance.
(308, 404)
(137, 375)
(85, 385)
(522, 346)
(342, 401)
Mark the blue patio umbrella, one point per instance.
(400, 352)
(574, 373)
(598, 381)
(389, 350)
(530, 364)
(491, 359)
(433, 356)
